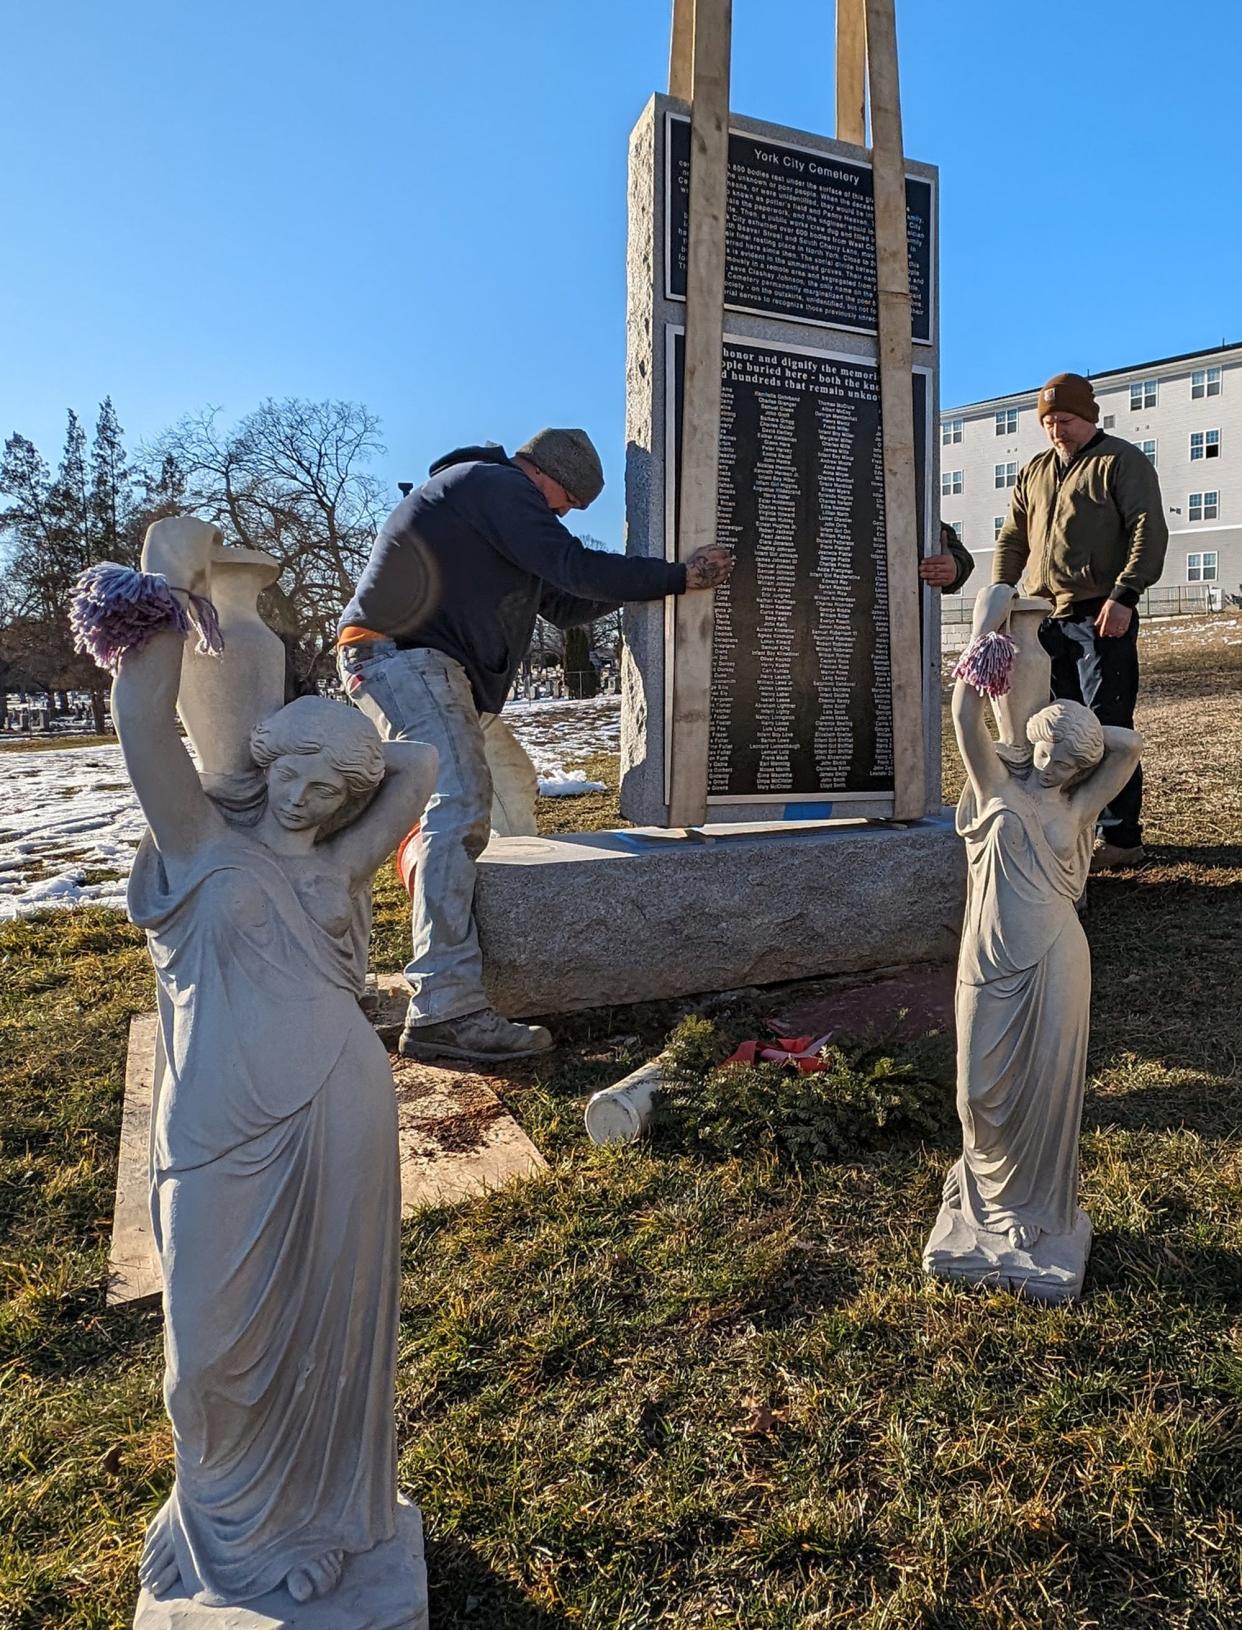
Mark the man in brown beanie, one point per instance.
(428, 648)
(1086, 521)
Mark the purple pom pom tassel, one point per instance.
(986, 664)
(116, 609)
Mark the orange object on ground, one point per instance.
(801, 1053)
(403, 860)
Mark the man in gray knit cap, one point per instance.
(428, 647)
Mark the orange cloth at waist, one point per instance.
(351, 634)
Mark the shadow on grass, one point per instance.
(1211, 857)
(465, 1594)
(79, 1331)
(1188, 1275)
(1210, 1109)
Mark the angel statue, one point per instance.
(274, 1158)
(1010, 1215)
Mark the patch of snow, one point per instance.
(69, 810)
(573, 785)
(62, 811)
(1165, 629)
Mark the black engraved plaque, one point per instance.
(799, 234)
(801, 684)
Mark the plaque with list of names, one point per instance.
(799, 234)
(801, 702)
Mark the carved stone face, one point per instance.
(304, 790)
(1055, 762)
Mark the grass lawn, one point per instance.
(660, 1388)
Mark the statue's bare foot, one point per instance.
(316, 1578)
(158, 1569)
(1022, 1239)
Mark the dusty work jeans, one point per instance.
(425, 696)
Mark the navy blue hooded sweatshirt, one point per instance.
(465, 563)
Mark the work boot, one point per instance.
(1109, 857)
(483, 1035)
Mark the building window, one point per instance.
(1007, 422)
(1204, 382)
(950, 483)
(997, 522)
(1142, 395)
(1203, 506)
(1204, 444)
(1148, 447)
(1006, 474)
(950, 431)
(1110, 419)
(1201, 568)
(955, 527)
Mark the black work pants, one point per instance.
(1103, 674)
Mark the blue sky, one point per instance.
(422, 207)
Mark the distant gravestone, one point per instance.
(801, 721)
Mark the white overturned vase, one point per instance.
(622, 1113)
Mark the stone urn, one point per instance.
(1030, 679)
(222, 698)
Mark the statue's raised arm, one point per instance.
(144, 698)
(986, 771)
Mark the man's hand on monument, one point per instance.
(938, 570)
(708, 568)
(1114, 619)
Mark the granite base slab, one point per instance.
(381, 1589)
(605, 918)
(1052, 1270)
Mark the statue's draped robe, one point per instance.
(1023, 1009)
(276, 1209)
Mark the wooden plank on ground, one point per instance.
(455, 1137)
(133, 1268)
(700, 427)
(852, 72)
(901, 518)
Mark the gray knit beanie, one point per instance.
(568, 457)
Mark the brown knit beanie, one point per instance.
(1068, 393)
(568, 457)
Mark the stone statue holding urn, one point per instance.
(275, 1180)
(1010, 1215)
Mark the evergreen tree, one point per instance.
(51, 533)
(580, 680)
(69, 506)
(110, 495)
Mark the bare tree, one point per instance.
(291, 478)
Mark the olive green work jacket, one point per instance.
(1093, 529)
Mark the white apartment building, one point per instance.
(1184, 412)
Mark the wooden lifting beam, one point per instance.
(699, 56)
(866, 58)
(901, 519)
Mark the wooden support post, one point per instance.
(852, 72)
(700, 420)
(897, 411)
(681, 50)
